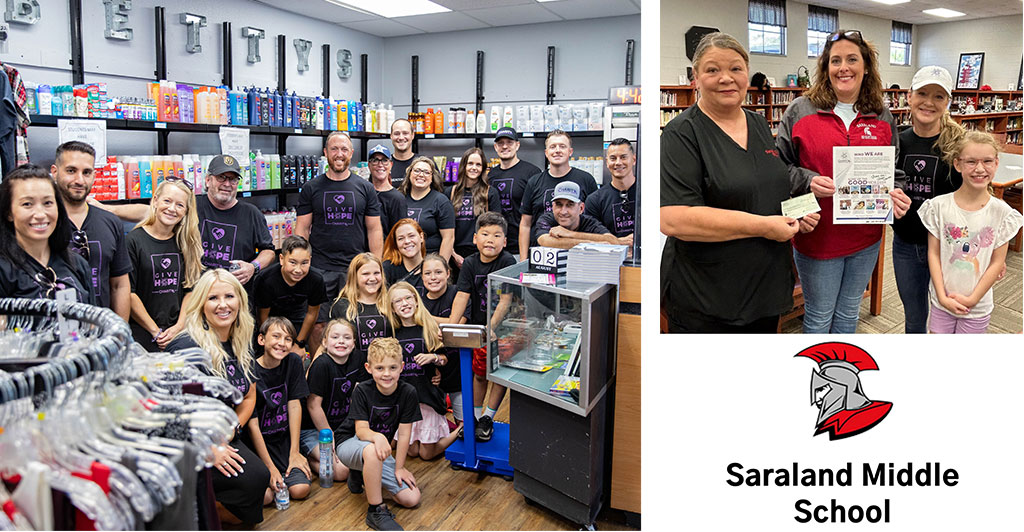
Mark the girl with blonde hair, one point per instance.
(363, 301)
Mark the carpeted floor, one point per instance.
(1006, 317)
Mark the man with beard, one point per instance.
(401, 140)
(340, 216)
(507, 182)
(235, 234)
(566, 225)
(98, 235)
(614, 204)
(392, 202)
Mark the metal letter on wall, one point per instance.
(117, 19)
(302, 48)
(253, 35)
(194, 22)
(22, 11)
(344, 64)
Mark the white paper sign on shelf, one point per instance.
(234, 141)
(91, 132)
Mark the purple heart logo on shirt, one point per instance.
(371, 323)
(919, 165)
(339, 198)
(465, 201)
(501, 186)
(385, 414)
(276, 397)
(231, 370)
(166, 263)
(218, 233)
(408, 348)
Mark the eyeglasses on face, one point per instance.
(853, 35)
(971, 164)
(227, 178)
(80, 243)
(422, 171)
(378, 161)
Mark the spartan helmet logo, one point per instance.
(844, 409)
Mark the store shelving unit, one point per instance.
(1004, 124)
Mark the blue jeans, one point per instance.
(833, 289)
(910, 264)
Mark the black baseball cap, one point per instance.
(506, 133)
(222, 164)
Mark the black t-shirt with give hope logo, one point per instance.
(334, 383)
(473, 281)
(505, 194)
(274, 388)
(158, 270)
(339, 210)
(231, 234)
(383, 412)
(614, 211)
(369, 322)
(411, 341)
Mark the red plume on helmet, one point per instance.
(840, 351)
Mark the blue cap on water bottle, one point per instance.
(326, 436)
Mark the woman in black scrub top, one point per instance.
(428, 205)
(727, 265)
(34, 236)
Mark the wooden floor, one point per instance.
(452, 500)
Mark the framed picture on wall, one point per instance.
(968, 75)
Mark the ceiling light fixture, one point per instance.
(392, 8)
(891, 2)
(943, 12)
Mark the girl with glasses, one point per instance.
(428, 205)
(843, 107)
(35, 261)
(165, 250)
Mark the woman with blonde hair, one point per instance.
(404, 250)
(216, 318)
(165, 250)
(843, 107)
(427, 205)
(364, 301)
(469, 199)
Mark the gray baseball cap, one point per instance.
(567, 190)
(223, 164)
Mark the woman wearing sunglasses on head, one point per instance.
(165, 251)
(34, 233)
(842, 108)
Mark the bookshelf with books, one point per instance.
(770, 104)
(996, 112)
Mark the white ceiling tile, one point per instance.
(911, 12)
(321, 10)
(580, 9)
(513, 15)
(464, 5)
(382, 28)
(440, 22)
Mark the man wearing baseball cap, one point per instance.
(507, 182)
(234, 234)
(566, 225)
(928, 175)
(392, 202)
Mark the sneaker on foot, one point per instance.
(484, 428)
(355, 482)
(382, 519)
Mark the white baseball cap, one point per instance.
(933, 75)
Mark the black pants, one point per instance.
(706, 324)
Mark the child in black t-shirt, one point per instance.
(332, 377)
(380, 410)
(290, 289)
(438, 298)
(419, 336)
(274, 427)
(472, 290)
(363, 300)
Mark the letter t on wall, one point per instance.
(194, 22)
(253, 36)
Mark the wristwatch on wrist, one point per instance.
(256, 264)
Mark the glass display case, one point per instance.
(554, 342)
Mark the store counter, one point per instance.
(625, 485)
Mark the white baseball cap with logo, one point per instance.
(933, 75)
(567, 190)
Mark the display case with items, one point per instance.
(555, 343)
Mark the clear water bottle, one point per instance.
(282, 499)
(326, 458)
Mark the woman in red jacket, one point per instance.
(843, 108)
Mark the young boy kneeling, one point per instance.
(380, 409)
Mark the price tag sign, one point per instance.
(91, 132)
(234, 141)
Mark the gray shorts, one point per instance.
(309, 441)
(350, 452)
(296, 477)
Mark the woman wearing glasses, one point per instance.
(35, 261)
(469, 199)
(165, 251)
(216, 318)
(842, 108)
(726, 266)
(428, 205)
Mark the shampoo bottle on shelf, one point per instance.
(278, 109)
(146, 177)
(342, 111)
(295, 111)
(428, 124)
(287, 111)
(132, 190)
(481, 121)
(391, 119)
(438, 121)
